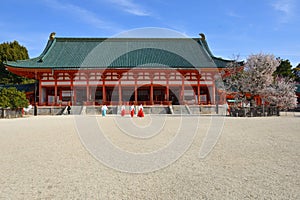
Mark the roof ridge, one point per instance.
(68, 52)
(47, 49)
(122, 38)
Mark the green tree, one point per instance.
(284, 70)
(12, 51)
(296, 72)
(12, 98)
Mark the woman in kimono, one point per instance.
(123, 111)
(132, 110)
(141, 111)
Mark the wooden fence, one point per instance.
(10, 113)
(259, 111)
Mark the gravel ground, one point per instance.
(254, 158)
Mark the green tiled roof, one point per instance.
(154, 58)
(74, 53)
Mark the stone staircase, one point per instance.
(147, 109)
(76, 110)
(159, 110)
(172, 109)
(181, 110)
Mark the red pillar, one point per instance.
(182, 88)
(87, 76)
(198, 87)
(151, 89)
(73, 95)
(55, 89)
(167, 87)
(213, 90)
(103, 88)
(39, 78)
(120, 89)
(135, 88)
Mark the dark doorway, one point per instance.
(174, 95)
(144, 93)
(159, 93)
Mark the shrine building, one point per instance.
(114, 71)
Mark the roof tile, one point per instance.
(123, 53)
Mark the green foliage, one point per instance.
(12, 98)
(12, 51)
(296, 72)
(284, 70)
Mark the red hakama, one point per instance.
(123, 112)
(132, 112)
(141, 113)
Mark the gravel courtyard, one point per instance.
(43, 157)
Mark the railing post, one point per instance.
(2, 112)
(35, 102)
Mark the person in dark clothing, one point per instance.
(69, 109)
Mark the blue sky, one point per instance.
(235, 27)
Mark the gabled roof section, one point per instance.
(75, 53)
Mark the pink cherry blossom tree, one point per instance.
(281, 93)
(255, 78)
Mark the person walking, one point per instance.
(132, 110)
(104, 109)
(123, 111)
(141, 111)
(69, 108)
(227, 109)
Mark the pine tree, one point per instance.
(12, 98)
(12, 51)
(284, 70)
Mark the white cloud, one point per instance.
(79, 12)
(286, 9)
(233, 14)
(130, 7)
(283, 6)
